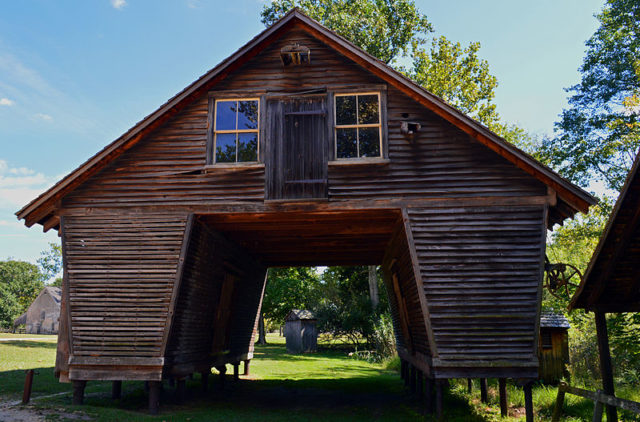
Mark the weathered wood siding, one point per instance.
(554, 361)
(481, 272)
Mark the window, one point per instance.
(235, 130)
(358, 131)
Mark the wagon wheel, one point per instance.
(559, 278)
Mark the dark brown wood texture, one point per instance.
(554, 360)
(481, 273)
(296, 144)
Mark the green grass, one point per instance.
(328, 385)
(40, 337)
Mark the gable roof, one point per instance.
(300, 314)
(612, 280)
(550, 319)
(571, 198)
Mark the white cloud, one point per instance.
(43, 116)
(193, 4)
(6, 102)
(19, 185)
(118, 4)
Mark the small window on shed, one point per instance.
(235, 130)
(545, 338)
(358, 130)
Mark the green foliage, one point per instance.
(287, 289)
(458, 76)
(20, 284)
(386, 29)
(50, 263)
(599, 133)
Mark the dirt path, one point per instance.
(14, 411)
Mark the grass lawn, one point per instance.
(328, 385)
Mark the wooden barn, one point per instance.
(553, 349)
(299, 150)
(301, 332)
(42, 316)
(612, 280)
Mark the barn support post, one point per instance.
(412, 379)
(205, 380)
(502, 383)
(236, 371)
(78, 392)
(116, 390)
(439, 399)
(407, 374)
(403, 365)
(154, 397)
(181, 387)
(429, 395)
(419, 383)
(246, 367)
(483, 390)
(222, 369)
(469, 385)
(606, 368)
(528, 401)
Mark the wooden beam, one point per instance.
(502, 383)
(528, 402)
(483, 390)
(606, 368)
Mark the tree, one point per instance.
(50, 263)
(287, 289)
(386, 29)
(20, 284)
(599, 133)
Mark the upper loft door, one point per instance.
(296, 148)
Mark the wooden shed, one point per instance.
(553, 349)
(42, 316)
(301, 332)
(266, 161)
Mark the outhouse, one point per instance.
(553, 347)
(301, 332)
(43, 314)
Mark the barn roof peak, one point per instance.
(571, 199)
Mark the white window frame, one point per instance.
(356, 126)
(236, 131)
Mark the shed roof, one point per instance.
(296, 314)
(571, 199)
(550, 319)
(612, 279)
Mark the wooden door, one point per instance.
(296, 148)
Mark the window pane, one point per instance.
(369, 142)
(247, 115)
(225, 148)
(346, 110)
(368, 109)
(247, 147)
(346, 143)
(226, 115)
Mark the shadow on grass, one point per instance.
(360, 399)
(44, 382)
(31, 344)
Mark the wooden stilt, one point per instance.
(236, 371)
(78, 392)
(181, 389)
(223, 374)
(469, 385)
(483, 390)
(407, 374)
(429, 395)
(439, 399)
(28, 384)
(403, 369)
(502, 383)
(116, 390)
(205, 380)
(154, 397)
(419, 383)
(246, 366)
(413, 374)
(606, 369)
(528, 402)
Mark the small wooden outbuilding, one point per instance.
(301, 332)
(553, 347)
(43, 314)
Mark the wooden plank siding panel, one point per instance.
(481, 273)
(120, 272)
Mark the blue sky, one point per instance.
(74, 75)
